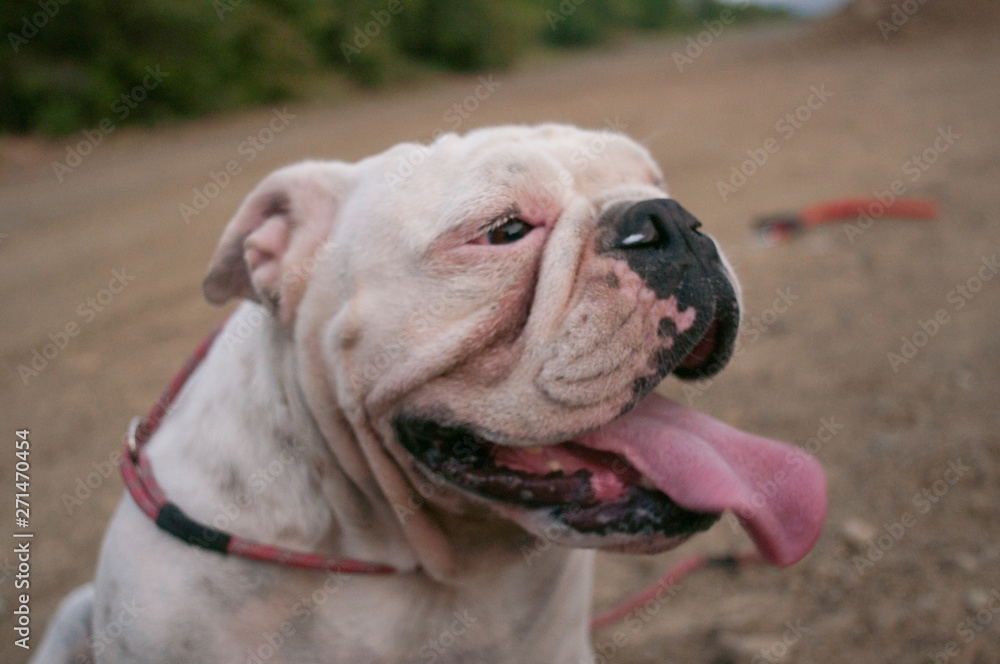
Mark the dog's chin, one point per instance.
(566, 493)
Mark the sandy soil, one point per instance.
(906, 557)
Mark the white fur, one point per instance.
(366, 301)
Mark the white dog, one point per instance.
(441, 370)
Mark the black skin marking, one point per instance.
(667, 328)
(465, 460)
(674, 258)
(230, 481)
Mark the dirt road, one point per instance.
(882, 357)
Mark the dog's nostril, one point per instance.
(657, 226)
(650, 233)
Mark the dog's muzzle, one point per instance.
(661, 243)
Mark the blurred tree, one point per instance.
(71, 64)
(466, 36)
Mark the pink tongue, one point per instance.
(777, 491)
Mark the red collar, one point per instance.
(149, 496)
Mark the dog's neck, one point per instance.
(242, 452)
(245, 451)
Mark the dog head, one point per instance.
(491, 314)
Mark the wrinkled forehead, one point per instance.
(554, 157)
(577, 150)
(488, 171)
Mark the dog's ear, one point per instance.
(270, 246)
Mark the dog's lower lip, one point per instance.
(702, 350)
(641, 512)
(631, 507)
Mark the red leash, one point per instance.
(656, 591)
(149, 496)
(781, 227)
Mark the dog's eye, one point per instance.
(510, 231)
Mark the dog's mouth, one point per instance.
(588, 490)
(658, 473)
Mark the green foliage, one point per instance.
(68, 65)
(89, 53)
(466, 36)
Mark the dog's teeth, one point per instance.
(553, 464)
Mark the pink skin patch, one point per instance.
(608, 338)
(651, 309)
(682, 319)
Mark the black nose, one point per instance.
(657, 226)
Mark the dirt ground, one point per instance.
(882, 358)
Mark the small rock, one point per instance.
(743, 612)
(963, 380)
(977, 598)
(744, 647)
(886, 616)
(967, 562)
(928, 602)
(857, 533)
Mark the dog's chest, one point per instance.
(248, 615)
